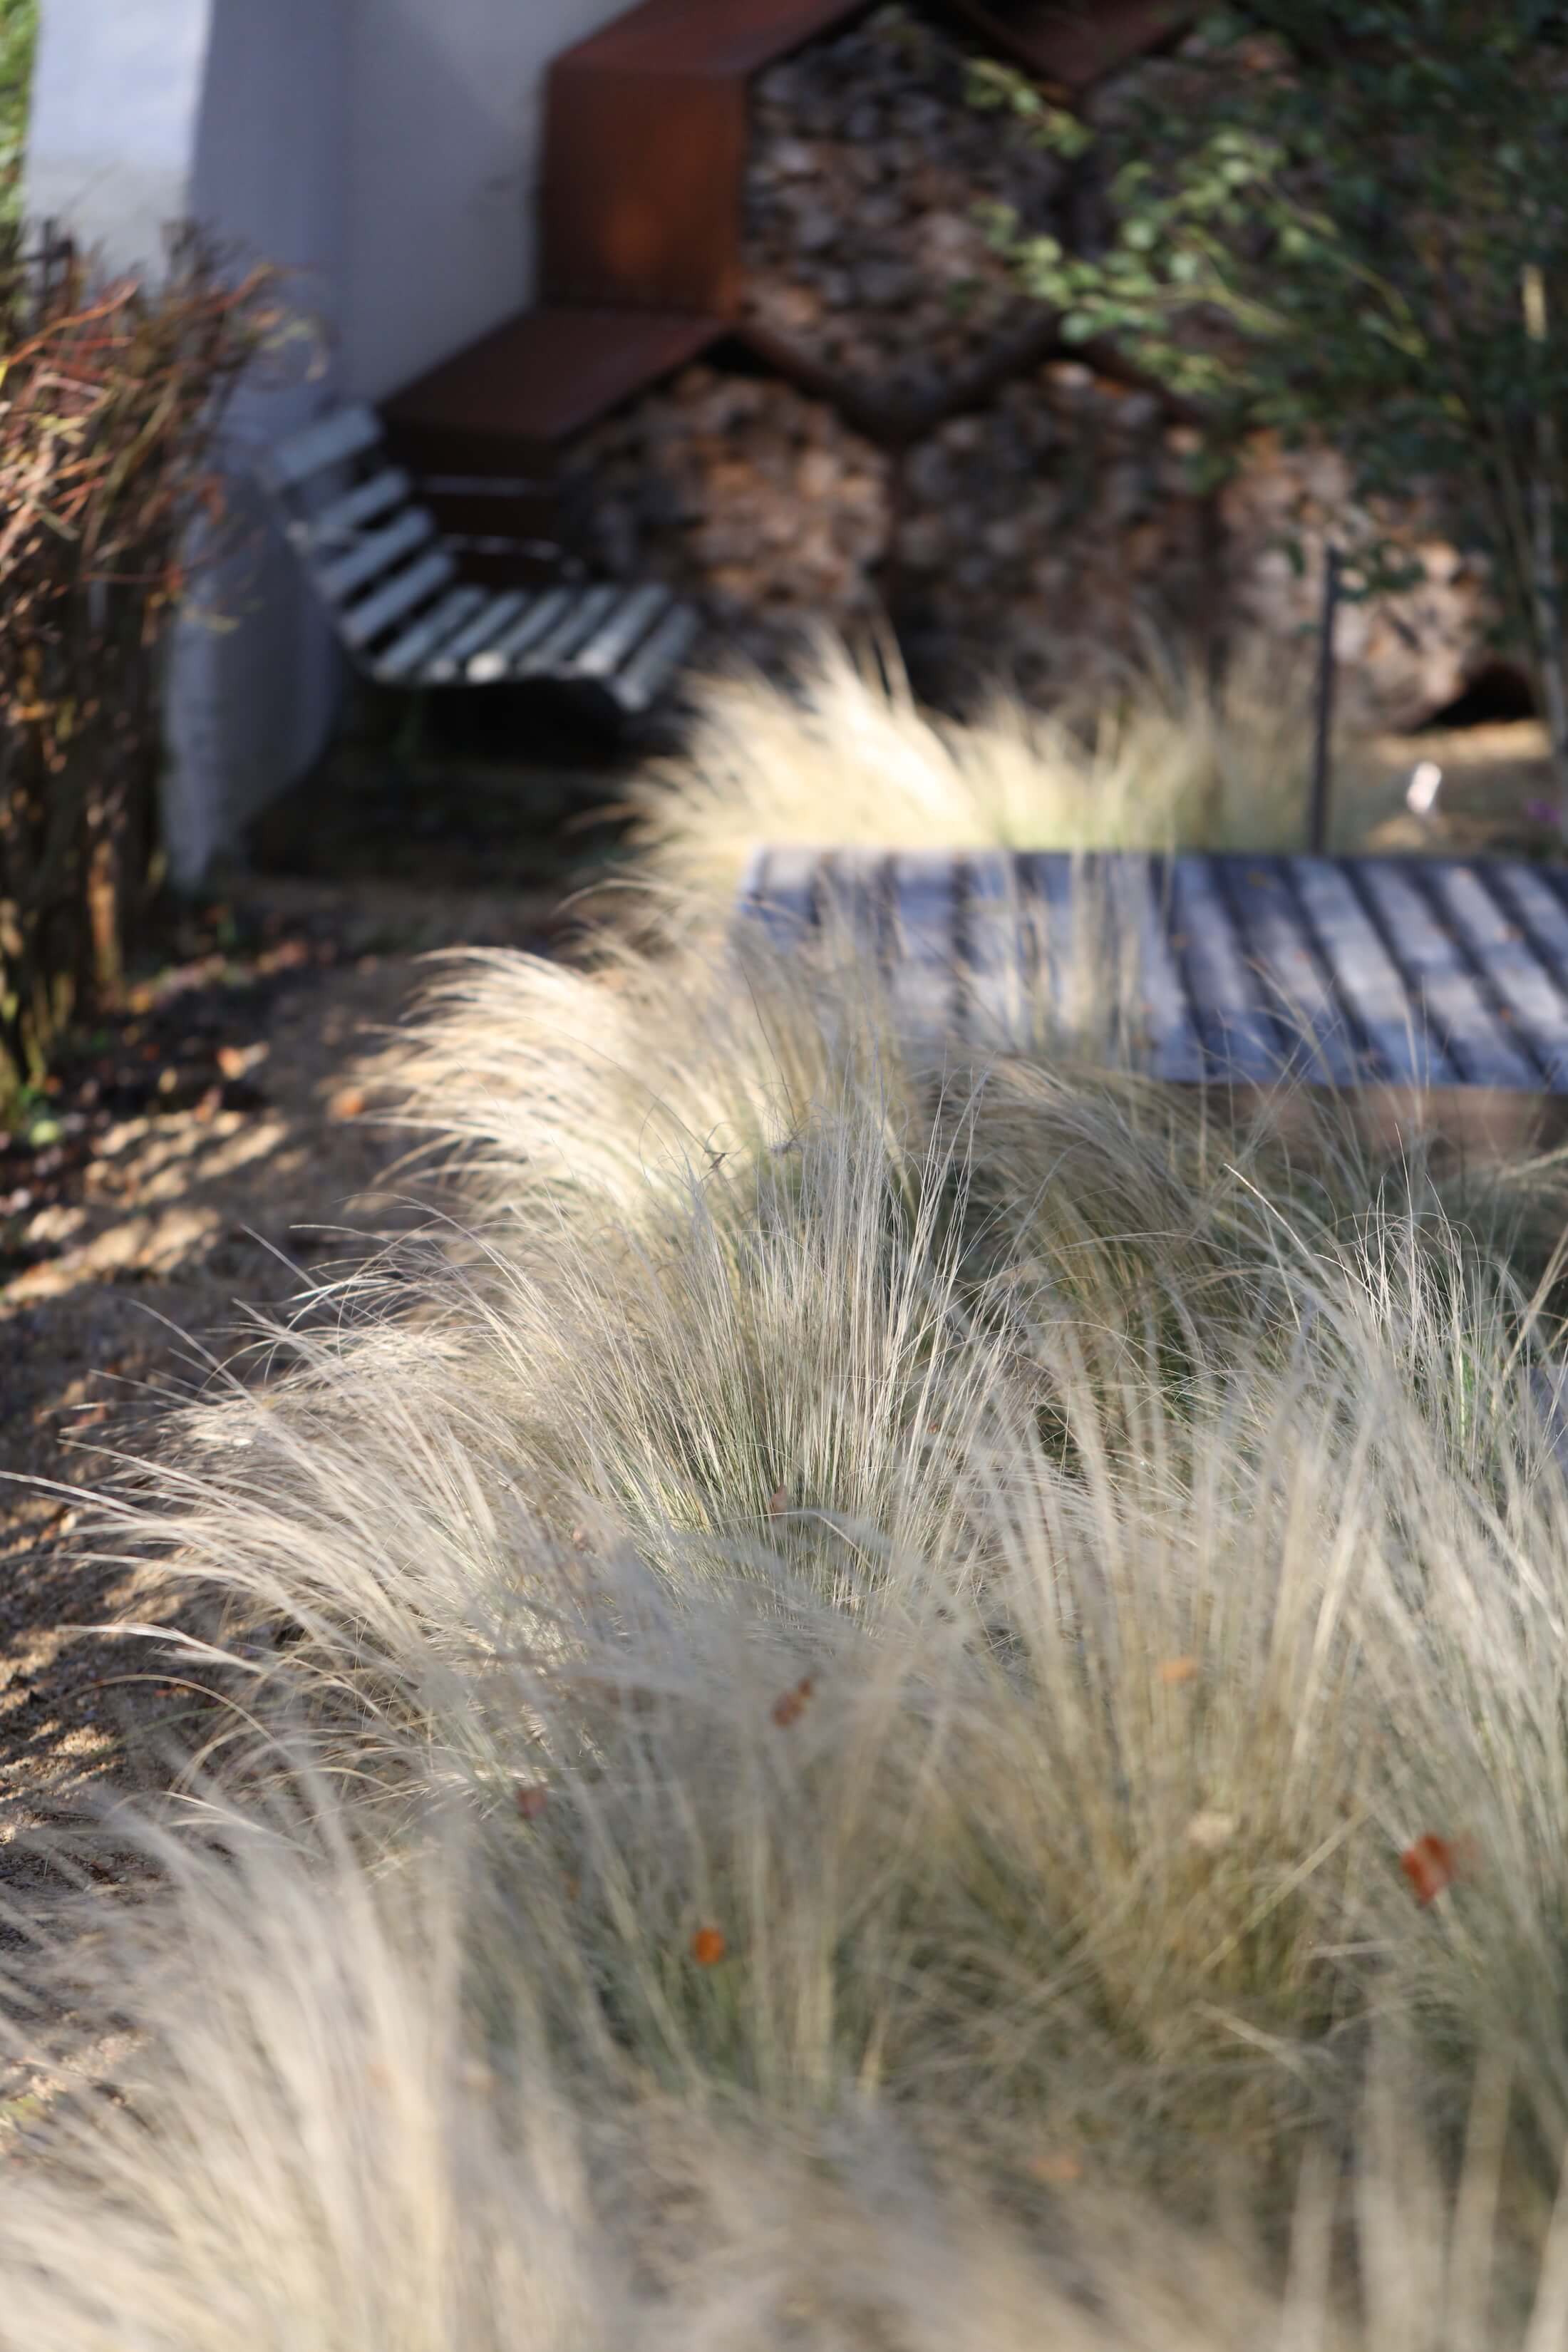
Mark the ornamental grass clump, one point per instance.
(876, 1692)
(1160, 759)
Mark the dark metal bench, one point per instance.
(405, 617)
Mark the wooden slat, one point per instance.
(780, 890)
(1049, 929)
(409, 652)
(346, 516)
(1441, 980)
(1238, 1031)
(924, 972)
(657, 660)
(495, 661)
(551, 655)
(386, 606)
(1364, 974)
(1397, 972)
(997, 1003)
(1137, 886)
(377, 552)
(346, 432)
(494, 616)
(1495, 936)
(1298, 997)
(854, 903)
(638, 611)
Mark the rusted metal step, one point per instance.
(1075, 42)
(1349, 972)
(485, 432)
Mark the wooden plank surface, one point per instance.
(1445, 988)
(1340, 972)
(657, 660)
(341, 521)
(400, 596)
(1279, 945)
(344, 433)
(407, 653)
(374, 554)
(1238, 1030)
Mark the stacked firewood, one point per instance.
(740, 491)
(865, 163)
(1059, 516)
(1049, 520)
(1402, 658)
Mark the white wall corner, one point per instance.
(386, 149)
(111, 122)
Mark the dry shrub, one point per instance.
(109, 398)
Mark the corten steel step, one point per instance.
(1414, 973)
(645, 128)
(484, 430)
(1075, 42)
(640, 266)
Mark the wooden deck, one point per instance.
(1410, 975)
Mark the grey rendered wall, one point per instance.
(388, 152)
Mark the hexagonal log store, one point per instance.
(656, 249)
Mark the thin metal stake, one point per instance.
(1318, 816)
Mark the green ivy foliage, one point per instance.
(18, 32)
(1335, 236)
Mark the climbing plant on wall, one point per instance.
(1347, 222)
(18, 31)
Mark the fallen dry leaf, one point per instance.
(1058, 2167)
(791, 1706)
(776, 1502)
(531, 1799)
(1431, 1865)
(235, 1061)
(708, 1946)
(347, 1103)
(1177, 1670)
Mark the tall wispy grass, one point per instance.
(861, 1641)
(852, 760)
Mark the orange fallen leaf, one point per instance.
(1059, 2167)
(347, 1103)
(1177, 1670)
(708, 1946)
(531, 1799)
(776, 1502)
(791, 1706)
(1433, 1863)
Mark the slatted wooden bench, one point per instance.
(1415, 973)
(406, 618)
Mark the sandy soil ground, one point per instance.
(129, 1281)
